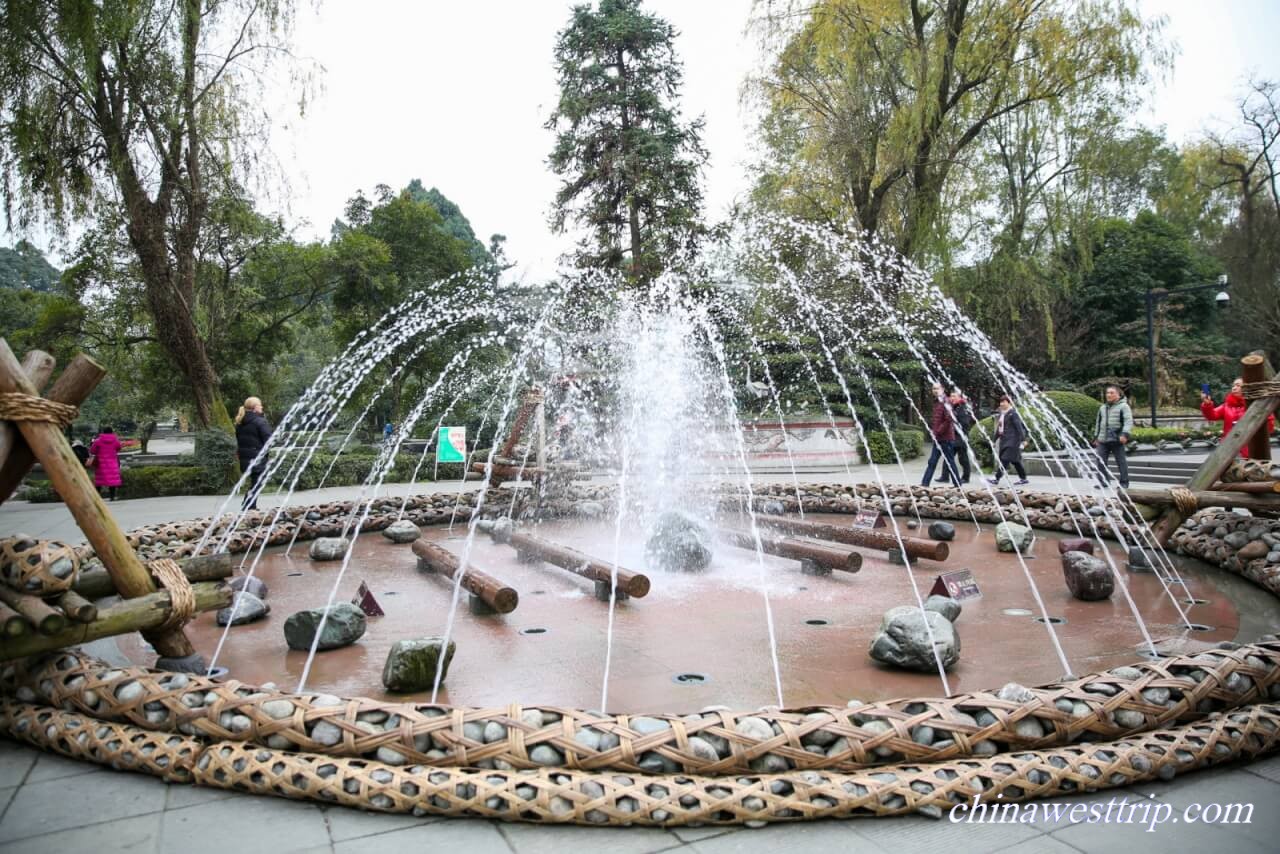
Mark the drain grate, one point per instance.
(691, 679)
(218, 672)
(1154, 656)
(1057, 621)
(1200, 627)
(538, 592)
(294, 574)
(1200, 601)
(533, 630)
(817, 621)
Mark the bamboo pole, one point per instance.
(77, 607)
(579, 563)
(1160, 497)
(47, 620)
(38, 366)
(129, 615)
(12, 623)
(865, 537)
(1252, 371)
(1219, 459)
(1261, 487)
(96, 583)
(71, 480)
(845, 560)
(73, 385)
(492, 591)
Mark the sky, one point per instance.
(457, 95)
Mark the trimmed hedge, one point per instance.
(909, 443)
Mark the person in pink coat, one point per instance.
(105, 459)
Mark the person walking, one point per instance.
(388, 430)
(1232, 410)
(943, 430)
(1111, 429)
(962, 412)
(252, 433)
(1011, 438)
(104, 458)
(81, 452)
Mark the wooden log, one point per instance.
(866, 537)
(38, 366)
(1261, 487)
(1253, 371)
(72, 482)
(47, 620)
(845, 560)
(77, 607)
(1160, 497)
(96, 583)
(139, 614)
(528, 406)
(492, 591)
(509, 470)
(76, 382)
(1219, 459)
(13, 624)
(579, 563)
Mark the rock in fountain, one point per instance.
(944, 605)
(942, 530)
(403, 531)
(1075, 544)
(412, 664)
(1012, 537)
(345, 626)
(329, 548)
(679, 542)
(249, 584)
(1088, 578)
(903, 640)
(246, 607)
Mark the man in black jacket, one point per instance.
(252, 433)
(963, 416)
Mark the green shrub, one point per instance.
(40, 492)
(1152, 435)
(908, 442)
(156, 481)
(215, 456)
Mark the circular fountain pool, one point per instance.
(551, 649)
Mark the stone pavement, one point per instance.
(53, 805)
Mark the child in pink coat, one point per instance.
(105, 459)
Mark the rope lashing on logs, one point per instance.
(16, 406)
(181, 596)
(1184, 499)
(1257, 391)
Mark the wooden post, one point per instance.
(76, 382)
(1219, 459)
(1252, 371)
(46, 620)
(1157, 496)
(77, 607)
(38, 366)
(580, 563)
(879, 540)
(72, 482)
(493, 592)
(12, 623)
(845, 560)
(96, 583)
(1260, 487)
(140, 614)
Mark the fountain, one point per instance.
(621, 553)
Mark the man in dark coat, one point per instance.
(963, 414)
(252, 433)
(943, 430)
(1011, 438)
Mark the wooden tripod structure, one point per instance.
(32, 432)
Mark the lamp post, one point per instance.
(1155, 296)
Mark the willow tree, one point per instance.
(150, 108)
(871, 106)
(631, 165)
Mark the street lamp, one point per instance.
(1222, 300)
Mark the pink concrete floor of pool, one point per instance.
(712, 625)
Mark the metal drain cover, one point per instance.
(817, 621)
(1057, 621)
(534, 630)
(691, 679)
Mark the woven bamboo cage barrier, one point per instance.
(549, 795)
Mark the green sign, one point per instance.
(451, 447)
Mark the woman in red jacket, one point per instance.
(105, 459)
(1231, 411)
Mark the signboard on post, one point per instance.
(451, 445)
(959, 585)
